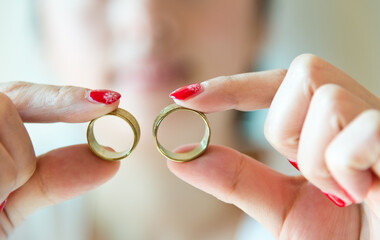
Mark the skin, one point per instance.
(318, 116)
(117, 43)
(145, 50)
(41, 181)
(290, 207)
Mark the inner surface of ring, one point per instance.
(198, 150)
(186, 156)
(104, 153)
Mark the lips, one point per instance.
(151, 75)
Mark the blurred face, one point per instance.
(149, 45)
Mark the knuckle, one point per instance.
(281, 142)
(338, 158)
(60, 95)
(64, 91)
(306, 61)
(328, 100)
(228, 89)
(307, 70)
(328, 95)
(372, 117)
(346, 158)
(343, 157)
(355, 161)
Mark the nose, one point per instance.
(146, 23)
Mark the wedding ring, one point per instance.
(104, 153)
(186, 156)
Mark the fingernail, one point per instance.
(294, 163)
(2, 205)
(186, 91)
(339, 202)
(103, 96)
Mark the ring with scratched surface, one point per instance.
(104, 153)
(186, 156)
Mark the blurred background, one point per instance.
(344, 32)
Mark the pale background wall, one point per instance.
(345, 32)
(21, 60)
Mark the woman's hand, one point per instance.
(320, 119)
(34, 182)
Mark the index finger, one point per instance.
(257, 90)
(48, 103)
(288, 94)
(244, 92)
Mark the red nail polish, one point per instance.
(294, 164)
(2, 205)
(339, 202)
(186, 91)
(104, 96)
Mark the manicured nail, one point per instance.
(186, 91)
(103, 96)
(339, 202)
(2, 205)
(294, 163)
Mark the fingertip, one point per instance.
(196, 96)
(180, 167)
(109, 168)
(186, 92)
(212, 172)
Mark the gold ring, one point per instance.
(104, 153)
(187, 156)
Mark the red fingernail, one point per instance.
(186, 91)
(339, 202)
(2, 205)
(294, 163)
(103, 96)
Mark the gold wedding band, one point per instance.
(186, 156)
(104, 153)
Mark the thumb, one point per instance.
(60, 175)
(233, 177)
(48, 103)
